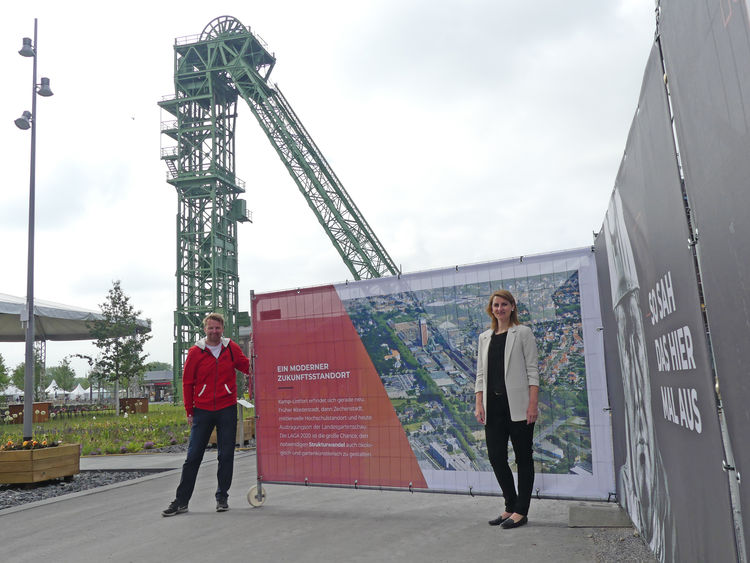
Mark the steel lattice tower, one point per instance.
(212, 71)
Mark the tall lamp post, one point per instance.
(26, 121)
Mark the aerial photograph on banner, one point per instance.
(423, 345)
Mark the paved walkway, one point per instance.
(123, 523)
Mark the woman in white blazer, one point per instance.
(507, 395)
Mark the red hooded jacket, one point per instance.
(210, 383)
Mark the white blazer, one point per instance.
(521, 368)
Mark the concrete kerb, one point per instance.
(598, 515)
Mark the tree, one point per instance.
(18, 377)
(4, 375)
(63, 375)
(158, 366)
(121, 359)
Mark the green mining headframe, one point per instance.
(211, 72)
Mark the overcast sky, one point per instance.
(464, 130)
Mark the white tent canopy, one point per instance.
(53, 387)
(52, 321)
(78, 392)
(12, 391)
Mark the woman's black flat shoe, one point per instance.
(509, 523)
(497, 521)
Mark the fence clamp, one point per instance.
(726, 467)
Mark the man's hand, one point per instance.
(190, 420)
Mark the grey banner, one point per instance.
(667, 442)
(706, 47)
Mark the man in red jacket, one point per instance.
(209, 390)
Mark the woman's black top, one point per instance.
(496, 364)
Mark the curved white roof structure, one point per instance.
(52, 321)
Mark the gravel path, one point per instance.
(620, 544)
(15, 495)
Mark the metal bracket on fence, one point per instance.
(356, 483)
(307, 483)
(537, 493)
(612, 495)
(739, 479)
(726, 467)
(411, 487)
(471, 491)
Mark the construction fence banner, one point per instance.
(667, 440)
(707, 52)
(371, 383)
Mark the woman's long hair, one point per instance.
(508, 296)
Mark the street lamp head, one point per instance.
(24, 122)
(27, 50)
(44, 89)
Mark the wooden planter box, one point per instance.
(134, 405)
(42, 464)
(41, 407)
(249, 429)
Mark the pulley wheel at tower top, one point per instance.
(223, 25)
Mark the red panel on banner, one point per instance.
(324, 415)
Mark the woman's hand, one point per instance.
(479, 413)
(479, 407)
(532, 411)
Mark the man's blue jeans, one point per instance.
(225, 422)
